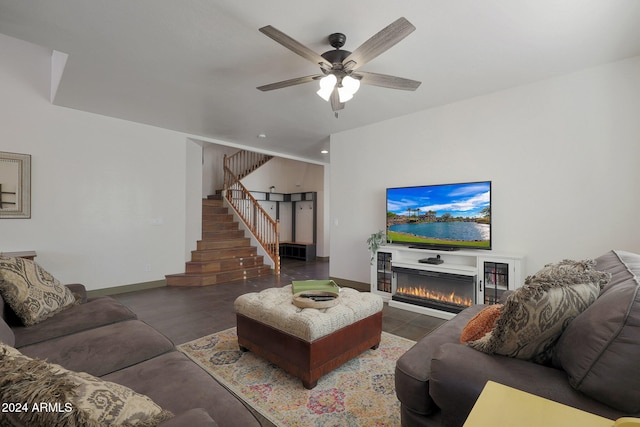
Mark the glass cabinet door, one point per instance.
(384, 274)
(496, 281)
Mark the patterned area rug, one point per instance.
(359, 393)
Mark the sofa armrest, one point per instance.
(79, 291)
(459, 373)
(413, 369)
(191, 418)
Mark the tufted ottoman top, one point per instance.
(273, 307)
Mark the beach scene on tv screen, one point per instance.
(452, 214)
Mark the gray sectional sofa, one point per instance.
(104, 338)
(594, 364)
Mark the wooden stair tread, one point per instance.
(229, 264)
(216, 217)
(227, 253)
(214, 235)
(219, 244)
(206, 279)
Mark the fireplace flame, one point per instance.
(439, 296)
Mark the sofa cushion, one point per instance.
(95, 312)
(32, 292)
(102, 350)
(6, 334)
(160, 378)
(534, 316)
(599, 349)
(197, 417)
(69, 398)
(481, 324)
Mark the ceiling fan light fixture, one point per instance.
(348, 87)
(327, 83)
(341, 78)
(344, 94)
(351, 84)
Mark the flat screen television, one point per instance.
(444, 216)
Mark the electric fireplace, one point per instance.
(437, 290)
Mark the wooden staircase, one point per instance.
(262, 226)
(223, 255)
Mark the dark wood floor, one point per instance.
(186, 313)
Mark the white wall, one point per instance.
(109, 197)
(213, 170)
(194, 171)
(562, 155)
(288, 176)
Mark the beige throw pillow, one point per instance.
(49, 395)
(535, 315)
(32, 292)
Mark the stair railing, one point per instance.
(244, 162)
(265, 229)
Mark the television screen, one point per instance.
(447, 216)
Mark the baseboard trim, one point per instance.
(346, 283)
(126, 288)
(361, 286)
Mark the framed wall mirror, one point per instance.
(15, 185)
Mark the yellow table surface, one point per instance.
(502, 406)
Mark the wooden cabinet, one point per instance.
(304, 251)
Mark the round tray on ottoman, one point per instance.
(326, 299)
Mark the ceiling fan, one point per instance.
(341, 77)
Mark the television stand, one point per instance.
(493, 273)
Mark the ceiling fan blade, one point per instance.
(294, 45)
(336, 105)
(290, 82)
(378, 43)
(384, 80)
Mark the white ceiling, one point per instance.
(194, 65)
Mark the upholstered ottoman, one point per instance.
(307, 342)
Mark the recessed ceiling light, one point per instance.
(325, 151)
(262, 135)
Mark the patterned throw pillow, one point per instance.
(568, 272)
(535, 315)
(30, 291)
(49, 395)
(481, 324)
